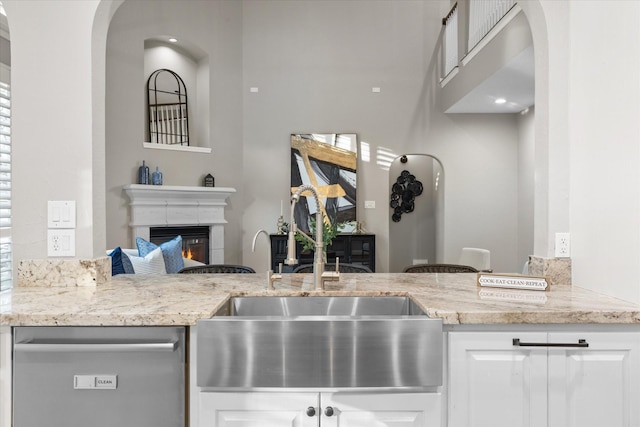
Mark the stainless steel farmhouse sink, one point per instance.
(319, 342)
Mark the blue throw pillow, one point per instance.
(116, 262)
(126, 264)
(171, 252)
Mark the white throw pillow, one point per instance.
(153, 263)
(134, 253)
(191, 262)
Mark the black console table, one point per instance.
(350, 248)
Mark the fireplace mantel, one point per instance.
(149, 193)
(167, 205)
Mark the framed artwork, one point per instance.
(328, 162)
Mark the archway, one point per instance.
(104, 13)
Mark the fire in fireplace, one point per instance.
(195, 240)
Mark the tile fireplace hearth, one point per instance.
(157, 206)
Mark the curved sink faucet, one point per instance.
(319, 275)
(271, 277)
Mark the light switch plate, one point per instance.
(369, 204)
(61, 214)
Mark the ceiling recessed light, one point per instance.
(500, 101)
(173, 40)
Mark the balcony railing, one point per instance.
(483, 16)
(471, 21)
(450, 23)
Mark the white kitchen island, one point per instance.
(488, 379)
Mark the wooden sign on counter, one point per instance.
(513, 281)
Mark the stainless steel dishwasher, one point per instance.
(99, 376)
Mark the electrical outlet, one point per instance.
(563, 245)
(61, 243)
(369, 204)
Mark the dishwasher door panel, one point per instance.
(95, 377)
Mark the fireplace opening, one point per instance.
(195, 240)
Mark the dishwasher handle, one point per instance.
(39, 347)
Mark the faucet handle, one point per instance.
(272, 277)
(331, 276)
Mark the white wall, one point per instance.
(587, 138)
(315, 64)
(551, 153)
(479, 153)
(51, 119)
(526, 183)
(604, 106)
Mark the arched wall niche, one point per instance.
(191, 63)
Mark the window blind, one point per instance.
(5, 187)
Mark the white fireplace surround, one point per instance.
(178, 206)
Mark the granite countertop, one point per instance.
(130, 300)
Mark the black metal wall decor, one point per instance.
(403, 195)
(167, 105)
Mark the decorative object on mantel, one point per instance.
(156, 177)
(513, 281)
(403, 194)
(208, 181)
(143, 174)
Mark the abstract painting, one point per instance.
(328, 162)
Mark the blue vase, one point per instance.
(156, 177)
(143, 174)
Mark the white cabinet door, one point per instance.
(493, 383)
(595, 386)
(381, 409)
(258, 409)
(320, 409)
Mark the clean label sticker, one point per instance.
(83, 382)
